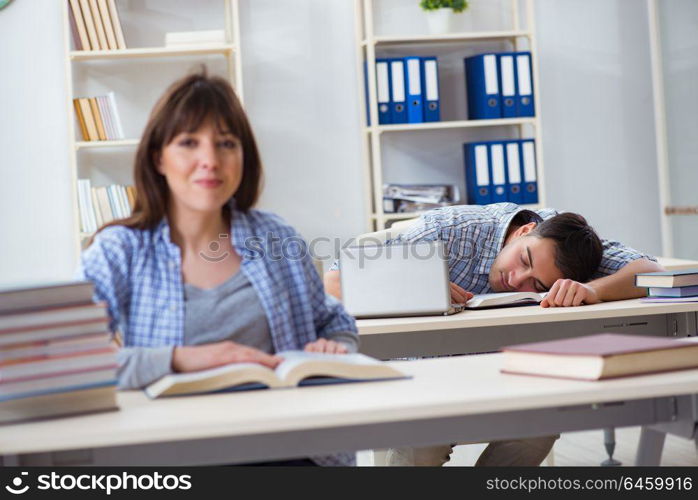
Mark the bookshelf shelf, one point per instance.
(82, 55)
(503, 122)
(515, 32)
(448, 38)
(106, 144)
(102, 179)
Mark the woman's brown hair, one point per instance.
(186, 105)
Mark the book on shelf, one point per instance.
(505, 299)
(298, 369)
(95, 25)
(600, 356)
(103, 204)
(56, 352)
(201, 37)
(89, 24)
(668, 279)
(99, 25)
(107, 23)
(98, 118)
(77, 26)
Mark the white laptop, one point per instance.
(397, 280)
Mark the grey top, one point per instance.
(230, 311)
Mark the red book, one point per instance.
(600, 356)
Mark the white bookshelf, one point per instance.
(518, 34)
(145, 47)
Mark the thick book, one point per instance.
(40, 295)
(54, 316)
(23, 335)
(600, 356)
(506, 299)
(101, 397)
(668, 279)
(682, 291)
(47, 366)
(298, 369)
(26, 351)
(68, 381)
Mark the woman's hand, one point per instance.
(570, 293)
(459, 295)
(202, 357)
(326, 346)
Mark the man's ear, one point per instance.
(524, 230)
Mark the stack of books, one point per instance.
(669, 286)
(101, 205)
(56, 355)
(98, 118)
(401, 198)
(95, 25)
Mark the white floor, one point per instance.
(584, 448)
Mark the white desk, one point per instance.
(489, 330)
(453, 399)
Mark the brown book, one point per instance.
(106, 22)
(81, 120)
(89, 119)
(116, 24)
(99, 26)
(89, 24)
(600, 356)
(102, 136)
(131, 194)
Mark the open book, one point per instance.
(298, 368)
(506, 299)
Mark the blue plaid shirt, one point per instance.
(474, 236)
(138, 273)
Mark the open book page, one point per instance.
(504, 299)
(300, 365)
(235, 375)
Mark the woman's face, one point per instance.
(203, 168)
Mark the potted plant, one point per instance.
(440, 13)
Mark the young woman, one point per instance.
(195, 278)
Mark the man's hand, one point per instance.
(569, 293)
(202, 357)
(326, 346)
(459, 295)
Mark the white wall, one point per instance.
(302, 96)
(598, 119)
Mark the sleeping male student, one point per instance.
(178, 276)
(504, 247)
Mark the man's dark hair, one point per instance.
(578, 249)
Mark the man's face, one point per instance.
(525, 264)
